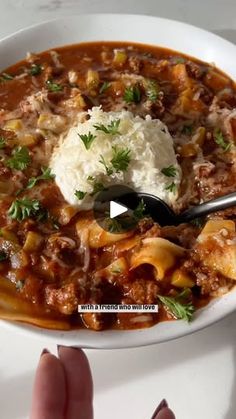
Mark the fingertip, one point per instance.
(49, 388)
(165, 413)
(69, 348)
(69, 353)
(44, 351)
(49, 358)
(79, 382)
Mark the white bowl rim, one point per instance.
(165, 331)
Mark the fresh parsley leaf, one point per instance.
(177, 307)
(171, 187)
(6, 77)
(2, 142)
(104, 87)
(132, 94)
(121, 159)
(53, 87)
(220, 141)
(87, 139)
(35, 69)
(46, 175)
(120, 224)
(111, 128)
(138, 213)
(20, 158)
(80, 194)
(119, 162)
(169, 171)
(108, 169)
(3, 256)
(21, 209)
(114, 226)
(126, 222)
(97, 187)
(152, 90)
(90, 178)
(187, 129)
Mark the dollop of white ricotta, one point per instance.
(151, 150)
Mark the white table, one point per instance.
(196, 374)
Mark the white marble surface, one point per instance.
(196, 374)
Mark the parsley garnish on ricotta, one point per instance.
(146, 148)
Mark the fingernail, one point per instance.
(44, 351)
(161, 406)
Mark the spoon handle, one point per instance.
(206, 208)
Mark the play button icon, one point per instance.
(117, 209)
(114, 208)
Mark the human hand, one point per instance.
(63, 387)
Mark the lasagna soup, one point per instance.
(74, 121)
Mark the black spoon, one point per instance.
(164, 215)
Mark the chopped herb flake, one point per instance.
(21, 209)
(20, 158)
(220, 141)
(98, 187)
(104, 87)
(171, 187)
(35, 69)
(53, 87)
(121, 159)
(111, 128)
(87, 139)
(80, 194)
(177, 307)
(132, 94)
(138, 213)
(114, 226)
(46, 175)
(169, 171)
(119, 162)
(108, 169)
(152, 90)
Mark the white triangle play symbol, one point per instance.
(116, 209)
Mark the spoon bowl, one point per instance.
(163, 214)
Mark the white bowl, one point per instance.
(134, 28)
